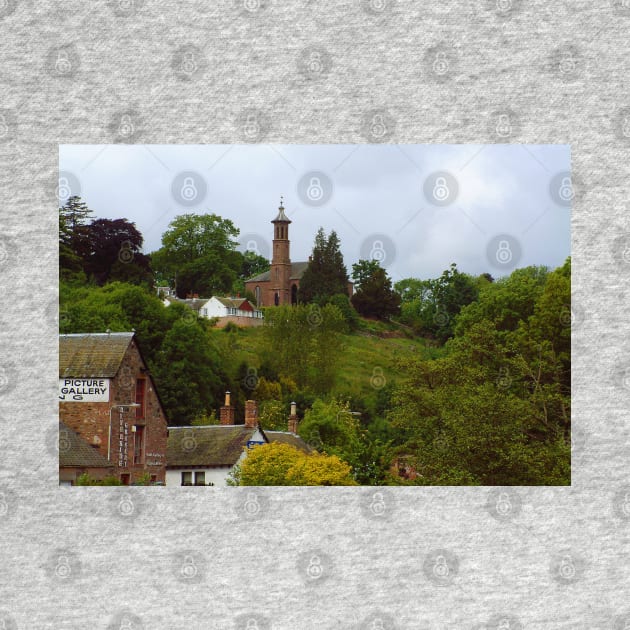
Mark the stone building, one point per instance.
(280, 284)
(108, 398)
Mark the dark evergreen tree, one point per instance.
(326, 274)
(74, 242)
(375, 296)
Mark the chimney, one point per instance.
(226, 413)
(293, 419)
(251, 414)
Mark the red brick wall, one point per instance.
(91, 420)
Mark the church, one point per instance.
(280, 284)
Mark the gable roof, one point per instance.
(288, 438)
(86, 355)
(233, 302)
(297, 271)
(214, 445)
(75, 451)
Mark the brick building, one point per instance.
(280, 284)
(107, 396)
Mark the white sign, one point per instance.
(84, 389)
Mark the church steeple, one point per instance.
(281, 261)
(281, 224)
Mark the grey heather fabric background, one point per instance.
(306, 72)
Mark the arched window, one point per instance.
(276, 299)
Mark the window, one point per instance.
(200, 478)
(186, 479)
(140, 388)
(138, 445)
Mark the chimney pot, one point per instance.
(227, 399)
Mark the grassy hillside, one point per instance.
(368, 357)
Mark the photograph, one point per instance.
(315, 315)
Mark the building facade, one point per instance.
(280, 284)
(107, 396)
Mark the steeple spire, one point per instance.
(281, 218)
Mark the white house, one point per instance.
(234, 308)
(206, 455)
(237, 310)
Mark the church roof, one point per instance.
(297, 271)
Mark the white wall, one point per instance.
(213, 308)
(217, 476)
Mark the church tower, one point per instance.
(281, 261)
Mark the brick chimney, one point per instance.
(226, 414)
(293, 419)
(251, 414)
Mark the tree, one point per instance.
(115, 253)
(74, 246)
(375, 296)
(188, 371)
(432, 306)
(331, 427)
(278, 464)
(495, 410)
(326, 274)
(198, 255)
(304, 343)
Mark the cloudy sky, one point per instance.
(415, 208)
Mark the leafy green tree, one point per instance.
(348, 312)
(326, 274)
(495, 410)
(432, 306)
(333, 428)
(375, 296)
(188, 370)
(198, 255)
(304, 343)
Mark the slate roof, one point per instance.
(214, 445)
(88, 355)
(194, 303)
(288, 438)
(297, 271)
(74, 451)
